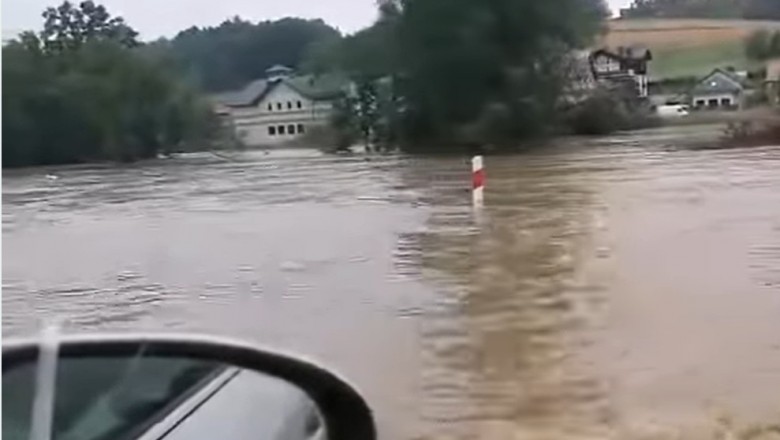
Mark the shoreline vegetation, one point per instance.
(462, 73)
(85, 90)
(431, 76)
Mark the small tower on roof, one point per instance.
(277, 72)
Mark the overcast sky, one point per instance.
(155, 18)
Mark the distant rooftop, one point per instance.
(634, 52)
(314, 87)
(718, 81)
(278, 68)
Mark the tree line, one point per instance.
(228, 56)
(747, 9)
(430, 73)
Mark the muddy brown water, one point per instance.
(619, 287)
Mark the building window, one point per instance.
(272, 130)
(270, 107)
(291, 129)
(725, 102)
(281, 129)
(700, 103)
(606, 64)
(712, 103)
(289, 105)
(300, 104)
(278, 105)
(300, 128)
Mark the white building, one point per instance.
(718, 90)
(281, 107)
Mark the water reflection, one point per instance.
(497, 341)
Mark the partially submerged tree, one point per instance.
(464, 59)
(468, 70)
(79, 91)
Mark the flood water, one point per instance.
(615, 288)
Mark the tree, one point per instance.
(73, 98)
(757, 45)
(762, 9)
(369, 53)
(466, 71)
(463, 60)
(68, 27)
(762, 45)
(749, 9)
(344, 122)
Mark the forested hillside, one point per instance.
(238, 51)
(749, 9)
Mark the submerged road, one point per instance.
(620, 287)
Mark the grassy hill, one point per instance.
(688, 47)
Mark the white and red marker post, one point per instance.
(478, 181)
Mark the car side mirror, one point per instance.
(172, 387)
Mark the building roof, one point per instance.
(325, 86)
(243, 97)
(314, 87)
(278, 68)
(626, 53)
(717, 82)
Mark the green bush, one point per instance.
(599, 114)
(606, 112)
(762, 45)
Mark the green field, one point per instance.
(683, 48)
(700, 60)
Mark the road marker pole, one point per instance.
(478, 181)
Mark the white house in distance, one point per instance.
(282, 106)
(718, 90)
